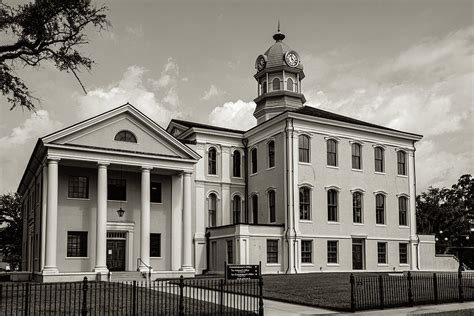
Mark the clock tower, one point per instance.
(279, 75)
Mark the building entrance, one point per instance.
(116, 243)
(357, 254)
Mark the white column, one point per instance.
(145, 220)
(187, 234)
(176, 220)
(412, 189)
(51, 218)
(44, 197)
(101, 219)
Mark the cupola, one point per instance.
(279, 75)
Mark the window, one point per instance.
(332, 205)
(289, 84)
(77, 244)
(253, 155)
(255, 209)
(357, 207)
(236, 164)
(236, 205)
(379, 164)
(305, 203)
(271, 154)
(212, 161)
(155, 245)
(332, 152)
(380, 209)
(272, 251)
(403, 253)
(303, 144)
(212, 210)
(402, 211)
(382, 252)
(125, 136)
(401, 163)
(155, 192)
(264, 87)
(78, 187)
(276, 84)
(356, 156)
(306, 251)
(230, 251)
(117, 189)
(271, 206)
(332, 251)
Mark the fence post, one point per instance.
(221, 297)
(381, 292)
(27, 299)
(410, 290)
(353, 303)
(84, 297)
(461, 293)
(181, 297)
(435, 288)
(134, 298)
(260, 296)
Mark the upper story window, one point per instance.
(289, 84)
(236, 208)
(125, 136)
(117, 189)
(303, 146)
(357, 207)
(356, 156)
(155, 245)
(379, 159)
(212, 210)
(253, 156)
(255, 209)
(212, 161)
(402, 211)
(401, 163)
(155, 192)
(380, 209)
(305, 203)
(272, 206)
(271, 154)
(276, 84)
(236, 160)
(332, 152)
(78, 187)
(332, 205)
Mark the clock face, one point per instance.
(260, 62)
(292, 59)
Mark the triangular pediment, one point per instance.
(100, 132)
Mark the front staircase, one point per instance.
(120, 276)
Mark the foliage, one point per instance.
(44, 30)
(11, 227)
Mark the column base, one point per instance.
(50, 271)
(101, 270)
(187, 269)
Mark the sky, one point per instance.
(407, 65)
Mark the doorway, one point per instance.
(116, 245)
(358, 254)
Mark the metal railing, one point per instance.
(161, 297)
(149, 267)
(408, 289)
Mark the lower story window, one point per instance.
(306, 251)
(403, 253)
(272, 251)
(382, 252)
(155, 245)
(332, 251)
(77, 244)
(230, 251)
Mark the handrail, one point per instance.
(138, 265)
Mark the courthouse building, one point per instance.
(305, 190)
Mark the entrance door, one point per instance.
(357, 254)
(116, 254)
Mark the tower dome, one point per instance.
(279, 75)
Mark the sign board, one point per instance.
(242, 271)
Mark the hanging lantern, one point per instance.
(120, 212)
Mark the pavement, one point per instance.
(275, 308)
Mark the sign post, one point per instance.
(242, 271)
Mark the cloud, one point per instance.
(212, 92)
(425, 89)
(135, 30)
(160, 105)
(237, 115)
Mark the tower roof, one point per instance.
(275, 54)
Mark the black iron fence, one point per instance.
(161, 297)
(409, 289)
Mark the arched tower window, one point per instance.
(276, 84)
(264, 87)
(289, 84)
(212, 161)
(125, 136)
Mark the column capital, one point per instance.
(187, 173)
(146, 168)
(103, 163)
(53, 159)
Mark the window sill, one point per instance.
(357, 170)
(332, 167)
(239, 178)
(308, 221)
(334, 223)
(253, 174)
(270, 168)
(304, 163)
(402, 176)
(307, 264)
(381, 225)
(273, 264)
(156, 203)
(156, 257)
(76, 258)
(117, 201)
(382, 264)
(403, 227)
(404, 265)
(358, 224)
(79, 199)
(213, 175)
(379, 173)
(332, 264)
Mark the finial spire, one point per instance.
(278, 26)
(279, 36)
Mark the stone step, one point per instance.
(127, 276)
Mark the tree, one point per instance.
(11, 227)
(44, 31)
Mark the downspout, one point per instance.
(245, 142)
(208, 250)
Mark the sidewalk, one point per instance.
(275, 308)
